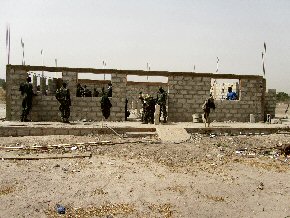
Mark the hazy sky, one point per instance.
(172, 35)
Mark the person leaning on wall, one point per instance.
(63, 97)
(26, 90)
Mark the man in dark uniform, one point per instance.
(95, 93)
(80, 90)
(161, 100)
(87, 92)
(151, 107)
(148, 109)
(127, 112)
(105, 104)
(27, 93)
(141, 97)
(63, 96)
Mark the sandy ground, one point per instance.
(237, 176)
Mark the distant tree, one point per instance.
(282, 96)
(3, 84)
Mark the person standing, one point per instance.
(80, 90)
(208, 104)
(161, 100)
(87, 92)
(231, 95)
(63, 96)
(148, 109)
(141, 98)
(95, 93)
(27, 93)
(105, 104)
(127, 112)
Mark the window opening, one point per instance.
(225, 89)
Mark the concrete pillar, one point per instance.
(71, 79)
(34, 83)
(43, 85)
(119, 82)
(252, 118)
(157, 114)
(14, 77)
(50, 87)
(54, 84)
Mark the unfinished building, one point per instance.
(186, 94)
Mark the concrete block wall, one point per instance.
(119, 82)
(46, 107)
(87, 108)
(251, 102)
(270, 102)
(186, 96)
(13, 96)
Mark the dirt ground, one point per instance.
(208, 176)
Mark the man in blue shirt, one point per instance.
(231, 95)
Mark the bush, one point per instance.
(282, 96)
(3, 84)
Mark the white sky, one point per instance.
(171, 35)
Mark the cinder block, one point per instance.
(181, 82)
(188, 96)
(172, 82)
(181, 100)
(178, 96)
(178, 78)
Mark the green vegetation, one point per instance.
(3, 84)
(282, 96)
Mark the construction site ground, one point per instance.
(172, 173)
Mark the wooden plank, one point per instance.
(46, 156)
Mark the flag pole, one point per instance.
(217, 64)
(55, 66)
(41, 52)
(104, 64)
(148, 69)
(22, 45)
(8, 43)
(263, 59)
